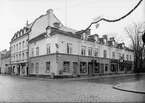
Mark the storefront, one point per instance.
(121, 66)
(128, 66)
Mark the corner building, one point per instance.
(59, 50)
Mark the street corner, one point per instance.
(134, 87)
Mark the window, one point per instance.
(47, 67)
(123, 56)
(37, 67)
(14, 47)
(69, 48)
(130, 57)
(106, 67)
(26, 54)
(32, 51)
(16, 57)
(11, 49)
(105, 54)
(96, 52)
(19, 56)
(113, 55)
(83, 50)
(19, 46)
(127, 58)
(83, 67)
(23, 44)
(119, 55)
(27, 42)
(90, 51)
(48, 48)
(22, 56)
(66, 66)
(37, 51)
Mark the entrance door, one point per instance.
(18, 68)
(75, 65)
(90, 69)
(102, 68)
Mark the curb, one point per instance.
(71, 79)
(133, 91)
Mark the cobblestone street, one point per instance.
(27, 90)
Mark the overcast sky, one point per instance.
(76, 14)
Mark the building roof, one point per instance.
(7, 55)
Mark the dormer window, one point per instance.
(96, 38)
(83, 37)
(48, 30)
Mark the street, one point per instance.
(95, 90)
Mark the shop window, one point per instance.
(66, 66)
(37, 67)
(90, 51)
(69, 48)
(83, 67)
(121, 67)
(47, 67)
(106, 67)
(83, 50)
(96, 68)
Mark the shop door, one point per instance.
(90, 69)
(102, 68)
(75, 65)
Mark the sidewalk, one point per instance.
(71, 79)
(135, 87)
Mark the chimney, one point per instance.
(105, 36)
(123, 45)
(112, 39)
(50, 16)
(27, 23)
(56, 25)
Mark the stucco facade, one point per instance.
(55, 49)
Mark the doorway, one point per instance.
(75, 66)
(90, 68)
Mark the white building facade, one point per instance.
(58, 50)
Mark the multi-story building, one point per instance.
(58, 50)
(19, 51)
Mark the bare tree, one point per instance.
(134, 34)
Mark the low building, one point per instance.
(5, 63)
